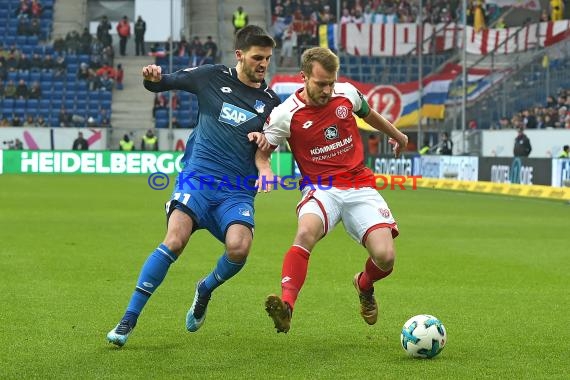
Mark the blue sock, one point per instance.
(152, 273)
(225, 269)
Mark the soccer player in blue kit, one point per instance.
(216, 188)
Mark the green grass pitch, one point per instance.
(494, 269)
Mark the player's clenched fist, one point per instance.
(152, 73)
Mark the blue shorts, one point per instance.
(210, 207)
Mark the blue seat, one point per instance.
(93, 104)
(69, 88)
(81, 95)
(353, 71)
(20, 103)
(72, 68)
(44, 112)
(46, 87)
(20, 112)
(56, 104)
(80, 85)
(32, 104)
(35, 76)
(33, 40)
(71, 76)
(47, 14)
(71, 59)
(105, 95)
(21, 40)
(69, 104)
(45, 104)
(47, 76)
(184, 115)
(45, 33)
(161, 123)
(27, 49)
(25, 75)
(81, 104)
(161, 114)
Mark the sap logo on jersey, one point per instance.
(233, 115)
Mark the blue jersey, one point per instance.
(228, 111)
(216, 185)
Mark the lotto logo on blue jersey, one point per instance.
(233, 115)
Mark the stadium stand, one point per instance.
(185, 106)
(27, 55)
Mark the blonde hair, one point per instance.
(324, 56)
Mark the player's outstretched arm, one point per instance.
(155, 81)
(398, 140)
(266, 179)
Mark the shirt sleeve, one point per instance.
(277, 127)
(359, 105)
(190, 79)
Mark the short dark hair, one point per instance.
(253, 35)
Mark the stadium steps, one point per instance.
(132, 106)
(257, 13)
(203, 20)
(69, 15)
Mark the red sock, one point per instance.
(370, 275)
(293, 274)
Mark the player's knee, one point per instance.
(237, 249)
(384, 258)
(176, 244)
(306, 237)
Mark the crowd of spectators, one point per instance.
(197, 52)
(29, 14)
(185, 54)
(307, 15)
(554, 113)
(71, 59)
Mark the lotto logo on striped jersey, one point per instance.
(234, 115)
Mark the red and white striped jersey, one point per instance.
(325, 140)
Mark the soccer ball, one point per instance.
(423, 336)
